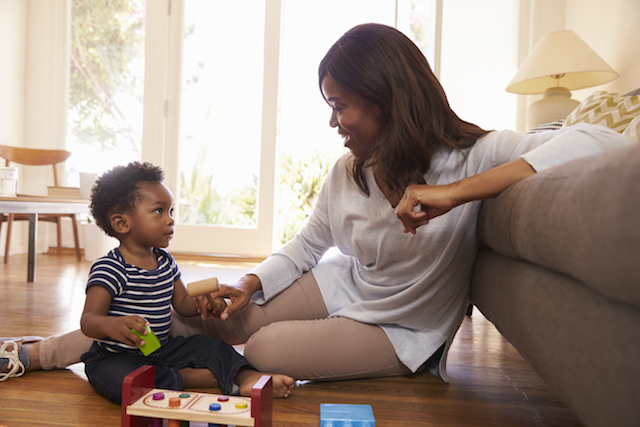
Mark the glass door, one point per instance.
(224, 96)
(308, 146)
(226, 103)
(253, 144)
(106, 80)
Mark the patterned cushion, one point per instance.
(633, 130)
(606, 109)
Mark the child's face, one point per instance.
(152, 220)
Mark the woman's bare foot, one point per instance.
(246, 378)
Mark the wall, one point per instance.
(612, 29)
(33, 96)
(13, 29)
(13, 23)
(47, 41)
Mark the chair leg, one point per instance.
(75, 237)
(8, 243)
(2, 218)
(59, 234)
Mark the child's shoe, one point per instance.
(14, 360)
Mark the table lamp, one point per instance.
(560, 62)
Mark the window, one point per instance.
(220, 113)
(231, 107)
(106, 76)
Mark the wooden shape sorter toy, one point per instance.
(143, 405)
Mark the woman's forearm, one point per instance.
(436, 200)
(492, 182)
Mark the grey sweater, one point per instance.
(415, 287)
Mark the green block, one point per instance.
(151, 341)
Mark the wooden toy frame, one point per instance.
(140, 383)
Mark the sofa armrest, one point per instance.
(580, 218)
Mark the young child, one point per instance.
(136, 284)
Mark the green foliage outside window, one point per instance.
(202, 202)
(300, 182)
(107, 42)
(107, 38)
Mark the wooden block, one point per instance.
(202, 287)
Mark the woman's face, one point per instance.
(358, 120)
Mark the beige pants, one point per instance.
(291, 334)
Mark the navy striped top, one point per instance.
(135, 291)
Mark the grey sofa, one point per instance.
(558, 274)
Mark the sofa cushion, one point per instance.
(607, 109)
(579, 218)
(579, 341)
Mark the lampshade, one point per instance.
(560, 59)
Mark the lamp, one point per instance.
(561, 61)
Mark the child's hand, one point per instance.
(119, 328)
(210, 307)
(220, 305)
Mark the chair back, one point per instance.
(34, 157)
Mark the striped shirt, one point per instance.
(135, 291)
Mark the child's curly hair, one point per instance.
(116, 191)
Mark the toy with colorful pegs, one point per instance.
(203, 287)
(144, 406)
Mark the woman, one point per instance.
(388, 303)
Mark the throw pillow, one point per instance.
(633, 130)
(606, 109)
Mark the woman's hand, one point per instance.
(239, 293)
(435, 200)
(430, 200)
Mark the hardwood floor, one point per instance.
(491, 385)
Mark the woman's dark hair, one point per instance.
(117, 191)
(381, 64)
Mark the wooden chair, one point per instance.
(38, 157)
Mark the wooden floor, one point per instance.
(491, 385)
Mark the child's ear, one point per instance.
(119, 223)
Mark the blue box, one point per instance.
(340, 415)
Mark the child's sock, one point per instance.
(14, 362)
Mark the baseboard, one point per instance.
(53, 250)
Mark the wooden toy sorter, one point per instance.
(145, 406)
